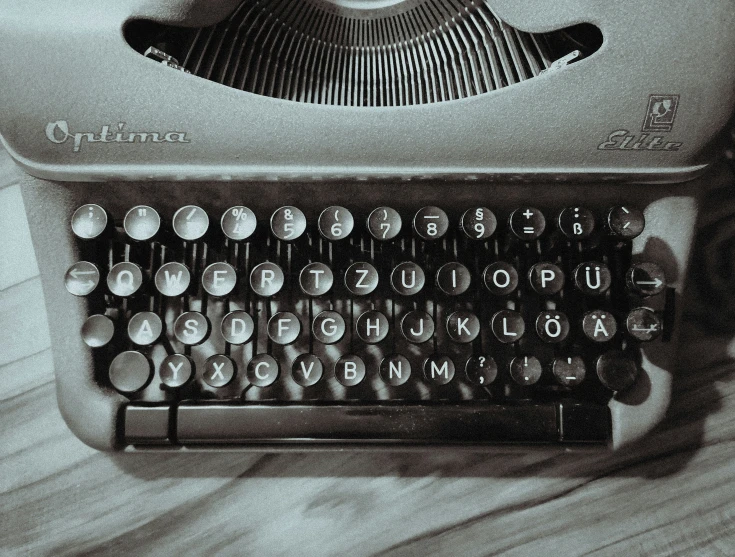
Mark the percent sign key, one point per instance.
(238, 223)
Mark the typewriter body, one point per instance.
(364, 224)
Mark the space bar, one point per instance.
(366, 423)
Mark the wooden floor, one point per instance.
(673, 494)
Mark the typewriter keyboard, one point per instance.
(379, 326)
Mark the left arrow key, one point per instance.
(82, 278)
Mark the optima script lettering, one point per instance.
(58, 132)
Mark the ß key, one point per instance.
(576, 223)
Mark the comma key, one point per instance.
(125, 279)
(89, 221)
(82, 278)
(481, 370)
(191, 328)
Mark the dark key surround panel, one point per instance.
(239, 323)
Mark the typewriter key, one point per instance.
(328, 327)
(645, 279)
(238, 223)
(142, 223)
(576, 223)
(417, 326)
(372, 326)
(525, 370)
(592, 278)
(288, 223)
(407, 278)
(599, 326)
(552, 326)
(307, 370)
(191, 328)
(626, 222)
(361, 278)
(130, 372)
(218, 371)
(463, 326)
(431, 223)
(616, 371)
(219, 279)
(97, 331)
(453, 279)
(176, 371)
(89, 221)
(570, 371)
(439, 369)
(527, 223)
(82, 278)
(481, 370)
(190, 223)
(262, 370)
(316, 279)
(237, 327)
(643, 324)
(124, 279)
(266, 279)
(384, 223)
(349, 370)
(335, 223)
(145, 328)
(284, 328)
(172, 279)
(395, 370)
(478, 223)
(546, 278)
(507, 326)
(500, 278)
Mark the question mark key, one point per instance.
(481, 370)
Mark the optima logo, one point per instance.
(58, 132)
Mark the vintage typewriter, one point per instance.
(298, 224)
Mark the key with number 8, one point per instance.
(431, 223)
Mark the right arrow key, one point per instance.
(645, 279)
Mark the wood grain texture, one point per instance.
(672, 494)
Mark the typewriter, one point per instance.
(396, 224)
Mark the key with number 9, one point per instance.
(478, 223)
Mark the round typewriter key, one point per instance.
(316, 279)
(218, 371)
(141, 223)
(172, 279)
(546, 278)
(82, 278)
(500, 278)
(481, 370)
(616, 371)
(417, 326)
(361, 278)
(431, 223)
(238, 223)
(552, 326)
(328, 327)
(124, 279)
(592, 278)
(190, 223)
(463, 326)
(599, 326)
(130, 372)
(508, 326)
(643, 324)
(288, 223)
(176, 371)
(145, 328)
(525, 370)
(237, 327)
(645, 279)
(307, 370)
(335, 223)
(439, 369)
(97, 331)
(527, 223)
(625, 222)
(395, 370)
(266, 279)
(262, 370)
(407, 278)
(478, 223)
(453, 279)
(284, 327)
(569, 372)
(349, 370)
(384, 223)
(191, 328)
(576, 223)
(89, 221)
(219, 279)
(372, 326)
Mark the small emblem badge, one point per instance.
(660, 113)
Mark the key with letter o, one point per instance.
(328, 327)
(190, 223)
(384, 223)
(335, 223)
(500, 278)
(266, 279)
(237, 327)
(262, 370)
(288, 223)
(125, 279)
